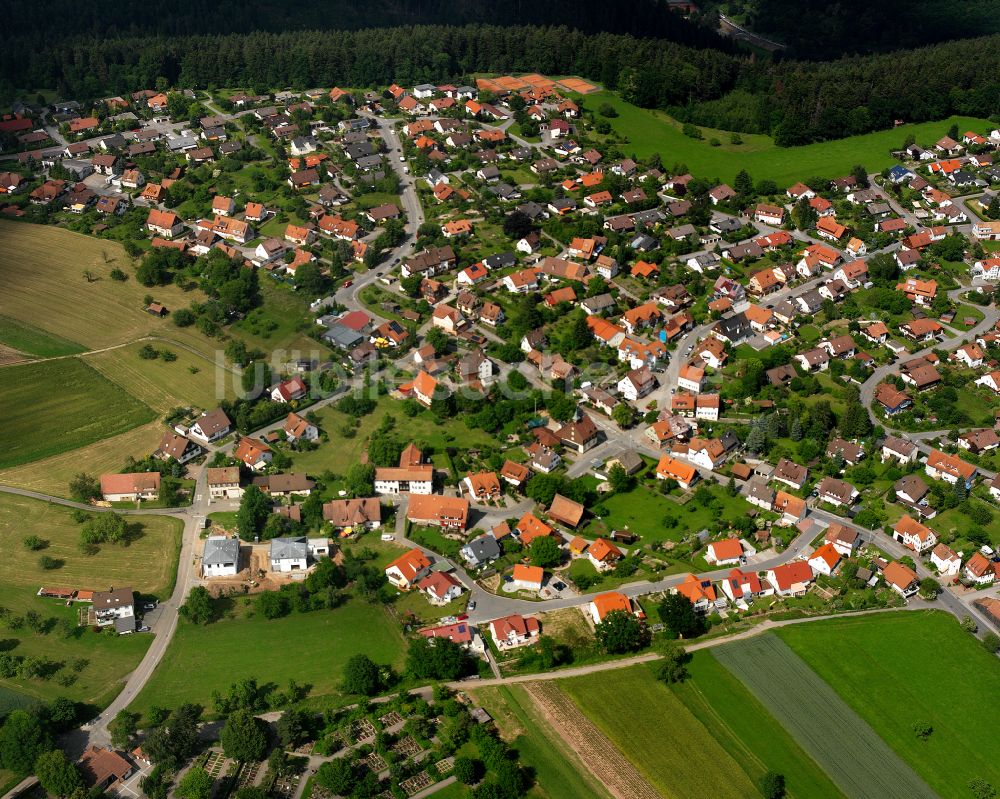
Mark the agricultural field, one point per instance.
(148, 564)
(658, 734)
(55, 406)
(654, 131)
(947, 679)
(52, 475)
(840, 740)
(747, 730)
(310, 648)
(33, 341)
(559, 772)
(44, 286)
(190, 381)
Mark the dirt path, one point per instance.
(605, 761)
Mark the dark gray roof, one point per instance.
(481, 549)
(220, 550)
(289, 548)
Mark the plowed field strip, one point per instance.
(606, 762)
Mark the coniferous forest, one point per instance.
(685, 70)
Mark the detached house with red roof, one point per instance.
(131, 487)
(725, 552)
(408, 569)
(791, 579)
(740, 585)
(514, 631)
(913, 534)
(824, 560)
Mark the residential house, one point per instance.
(408, 569)
(221, 556)
(790, 579)
(224, 482)
(448, 513)
(725, 552)
(950, 468)
(911, 533)
(130, 487)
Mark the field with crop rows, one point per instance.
(604, 758)
(847, 748)
(648, 724)
(947, 675)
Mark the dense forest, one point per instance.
(796, 101)
(61, 19)
(820, 29)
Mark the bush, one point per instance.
(184, 317)
(48, 563)
(33, 543)
(148, 353)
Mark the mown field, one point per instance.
(653, 131)
(191, 380)
(147, 564)
(310, 648)
(748, 731)
(559, 772)
(897, 669)
(656, 731)
(31, 340)
(55, 406)
(52, 475)
(840, 740)
(44, 286)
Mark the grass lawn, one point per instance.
(279, 322)
(52, 475)
(643, 511)
(900, 668)
(191, 380)
(963, 311)
(31, 340)
(339, 453)
(952, 522)
(44, 287)
(56, 406)
(374, 199)
(559, 772)
(310, 648)
(747, 731)
(657, 732)
(653, 131)
(148, 564)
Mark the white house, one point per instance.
(224, 482)
(725, 552)
(289, 554)
(115, 608)
(221, 556)
(637, 383)
(824, 560)
(210, 426)
(513, 631)
(946, 560)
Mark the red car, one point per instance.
(348, 284)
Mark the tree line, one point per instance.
(796, 101)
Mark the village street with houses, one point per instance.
(670, 412)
